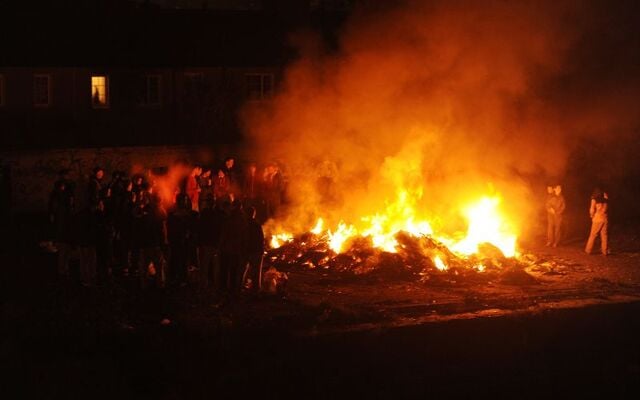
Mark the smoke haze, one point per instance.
(450, 100)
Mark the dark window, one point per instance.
(41, 90)
(193, 85)
(259, 86)
(152, 90)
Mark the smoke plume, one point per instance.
(449, 100)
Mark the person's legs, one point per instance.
(604, 238)
(557, 229)
(549, 229)
(596, 226)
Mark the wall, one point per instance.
(34, 172)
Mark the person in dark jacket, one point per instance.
(254, 252)
(119, 212)
(96, 190)
(205, 181)
(104, 243)
(233, 247)
(180, 231)
(209, 230)
(230, 170)
(86, 239)
(152, 263)
(61, 215)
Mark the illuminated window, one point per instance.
(259, 86)
(100, 91)
(41, 90)
(1, 90)
(152, 90)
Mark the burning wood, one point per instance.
(420, 258)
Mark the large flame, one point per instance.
(485, 224)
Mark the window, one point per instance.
(100, 91)
(151, 94)
(259, 86)
(41, 90)
(1, 90)
(193, 85)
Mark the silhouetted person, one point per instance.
(599, 210)
(180, 231)
(209, 233)
(61, 215)
(273, 186)
(192, 188)
(233, 247)
(254, 250)
(96, 190)
(221, 187)
(205, 182)
(152, 264)
(230, 170)
(555, 209)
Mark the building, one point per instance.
(124, 73)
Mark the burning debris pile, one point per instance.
(416, 258)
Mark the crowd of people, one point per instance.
(209, 234)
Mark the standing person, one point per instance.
(192, 188)
(104, 243)
(96, 190)
(555, 209)
(254, 250)
(209, 227)
(273, 185)
(598, 210)
(152, 263)
(221, 191)
(206, 188)
(86, 239)
(230, 170)
(61, 216)
(550, 219)
(233, 247)
(180, 231)
(252, 192)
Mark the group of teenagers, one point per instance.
(210, 233)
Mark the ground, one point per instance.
(567, 327)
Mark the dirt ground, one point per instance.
(567, 326)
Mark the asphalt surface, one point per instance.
(570, 331)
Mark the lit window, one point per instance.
(41, 90)
(152, 94)
(259, 86)
(1, 90)
(100, 91)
